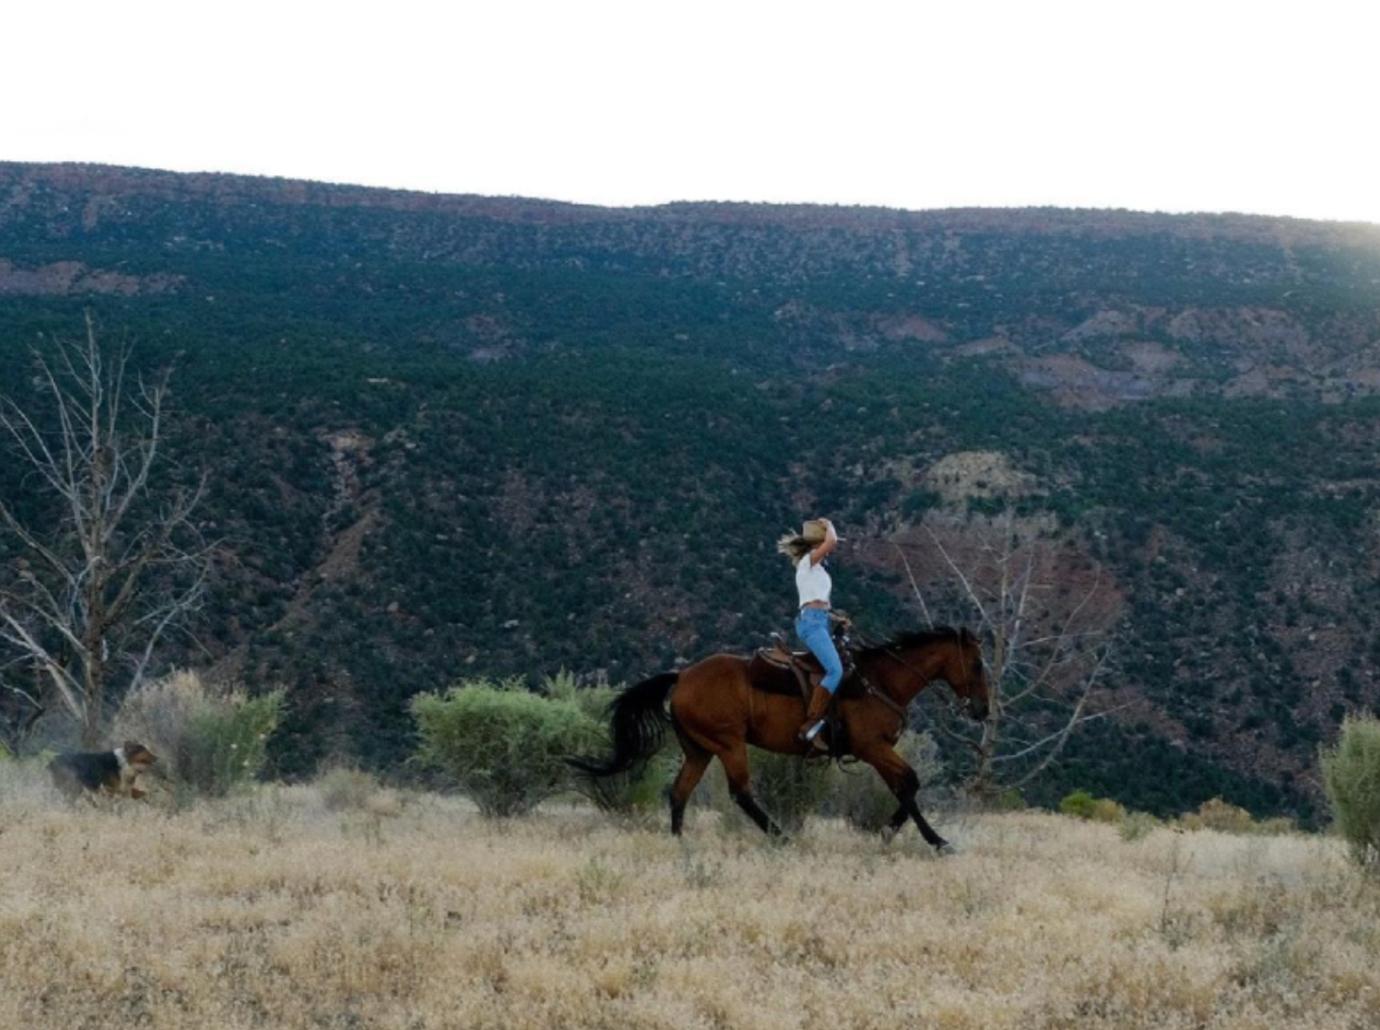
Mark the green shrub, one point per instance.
(1219, 815)
(1082, 805)
(504, 746)
(1351, 775)
(1078, 804)
(1105, 810)
(208, 740)
(231, 741)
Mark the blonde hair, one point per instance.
(794, 546)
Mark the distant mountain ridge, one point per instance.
(115, 180)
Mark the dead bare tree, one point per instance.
(1048, 646)
(119, 561)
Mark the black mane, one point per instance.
(914, 638)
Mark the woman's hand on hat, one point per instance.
(825, 546)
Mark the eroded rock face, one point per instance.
(965, 475)
(67, 278)
(1104, 323)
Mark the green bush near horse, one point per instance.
(503, 745)
(1351, 774)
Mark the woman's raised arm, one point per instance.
(830, 541)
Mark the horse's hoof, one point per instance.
(945, 848)
(888, 834)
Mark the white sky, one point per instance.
(1211, 105)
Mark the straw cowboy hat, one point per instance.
(811, 535)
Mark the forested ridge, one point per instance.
(452, 436)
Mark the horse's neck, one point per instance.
(905, 673)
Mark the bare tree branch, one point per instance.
(95, 593)
(1076, 719)
(958, 573)
(1047, 660)
(924, 609)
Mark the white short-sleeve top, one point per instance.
(812, 581)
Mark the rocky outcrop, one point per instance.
(69, 278)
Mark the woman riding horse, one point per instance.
(807, 551)
(723, 703)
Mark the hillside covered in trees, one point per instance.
(453, 436)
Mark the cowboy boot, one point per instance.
(814, 718)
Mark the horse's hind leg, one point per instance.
(692, 767)
(735, 763)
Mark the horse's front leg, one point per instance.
(895, 823)
(901, 780)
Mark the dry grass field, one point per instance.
(277, 910)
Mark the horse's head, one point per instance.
(965, 672)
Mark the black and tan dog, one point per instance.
(102, 772)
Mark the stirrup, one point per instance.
(813, 737)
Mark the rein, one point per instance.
(881, 695)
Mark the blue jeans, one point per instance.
(812, 627)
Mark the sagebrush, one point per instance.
(208, 739)
(1351, 774)
(502, 744)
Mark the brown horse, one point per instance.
(720, 705)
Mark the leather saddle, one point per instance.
(771, 664)
(804, 665)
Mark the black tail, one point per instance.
(638, 721)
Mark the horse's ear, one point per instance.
(965, 636)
